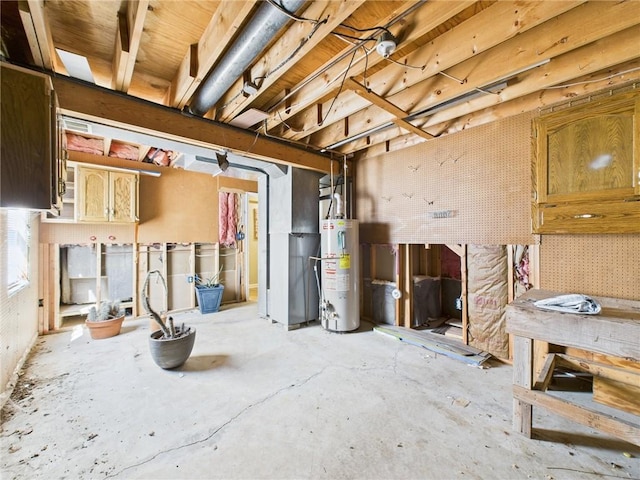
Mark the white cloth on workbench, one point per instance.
(571, 303)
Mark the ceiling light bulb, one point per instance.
(386, 45)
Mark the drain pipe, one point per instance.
(263, 26)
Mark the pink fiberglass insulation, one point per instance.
(228, 222)
(78, 143)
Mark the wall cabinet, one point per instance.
(32, 152)
(586, 173)
(96, 194)
(104, 195)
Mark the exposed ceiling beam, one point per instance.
(298, 41)
(483, 31)
(398, 114)
(517, 54)
(30, 33)
(562, 69)
(216, 37)
(38, 32)
(613, 78)
(316, 86)
(105, 106)
(129, 33)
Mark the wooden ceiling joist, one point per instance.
(330, 13)
(220, 31)
(518, 53)
(38, 32)
(399, 115)
(492, 26)
(130, 25)
(104, 106)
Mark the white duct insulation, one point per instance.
(339, 296)
(487, 297)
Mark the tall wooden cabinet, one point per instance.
(587, 167)
(32, 153)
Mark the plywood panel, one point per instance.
(178, 206)
(605, 265)
(473, 187)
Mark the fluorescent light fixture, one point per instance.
(77, 66)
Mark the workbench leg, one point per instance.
(522, 376)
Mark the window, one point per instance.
(18, 238)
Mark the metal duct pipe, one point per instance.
(260, 30)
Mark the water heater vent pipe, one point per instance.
(339, 212)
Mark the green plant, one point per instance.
(213, 281)
(107, 310)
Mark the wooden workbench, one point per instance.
(614, 332)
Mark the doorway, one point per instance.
(251, 250)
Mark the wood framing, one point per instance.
(614, 332)
(96, 104)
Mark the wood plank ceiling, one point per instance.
(319, 81)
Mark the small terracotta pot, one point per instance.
(105, 329)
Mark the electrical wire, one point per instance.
(351, 37)
(381, 27)
(397, 19)
(344, 78)
(366, 65)
(289, 14)
(389, 59)
(594, 80)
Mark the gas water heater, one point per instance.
(339, 300)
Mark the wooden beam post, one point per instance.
(522, 377)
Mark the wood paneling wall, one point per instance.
(471, 187)
(600, 265)
(484, 176)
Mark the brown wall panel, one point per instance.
(178, 206)
(605, 265)
(469, 187)
(484, 175)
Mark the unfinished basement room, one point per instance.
(334, 239)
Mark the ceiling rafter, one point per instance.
(496, 24)
(318, 93)
(127, 43)
(38, 31)
(561, 69)
(593, 83)
(332, 13)
(327, 84)
(398, 114)
(220, 31)
(518, 53)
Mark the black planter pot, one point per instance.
(171, 352)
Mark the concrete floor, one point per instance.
(255, 401)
